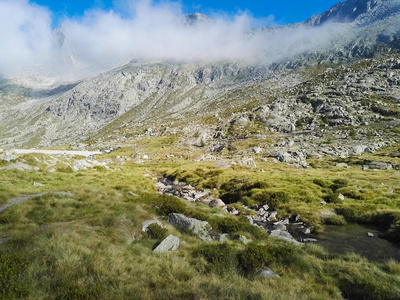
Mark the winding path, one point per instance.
(23, 199)
(55, 152)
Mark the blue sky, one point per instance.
(284, 11)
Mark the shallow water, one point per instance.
(354, 238)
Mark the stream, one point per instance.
(354, 238)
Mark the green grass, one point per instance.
(90, 245)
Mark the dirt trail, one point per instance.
(23, 199)
(55, 152)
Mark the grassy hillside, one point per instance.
(89, 244)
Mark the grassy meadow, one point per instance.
(89, 245)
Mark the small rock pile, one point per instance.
(182, 190)
(282, 228)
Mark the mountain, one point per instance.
(347, 78)
(345, 12)
(196, 18)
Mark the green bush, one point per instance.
(157, 232)
(253, 258)
(235, 226)
(221, 258)
(332, 198)
(338, 184)
(274, 199)
(12, 268)
(165, 205)
(321, 182)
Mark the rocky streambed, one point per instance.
(261, 216)
(356, 238)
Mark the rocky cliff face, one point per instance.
(351, 10)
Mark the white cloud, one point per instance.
(100, 39)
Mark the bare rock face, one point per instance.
(343, 12)
(200, 228)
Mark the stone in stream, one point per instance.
(272, 216)
(171, 243)
(279, 226)
(309, 240)
(284, 235)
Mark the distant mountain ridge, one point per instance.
(141, 95)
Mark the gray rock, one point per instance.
(243, 239)
(265, 207)
(267, 273)
(7, 156)
(171, 243)
(200, 228)
(370, 234)
(284, 235)
(306, 230)
(309, 240)
(217, 203)
(223, 237)
(279, 226)
(19, 166)
(341, 197)
(285, 222)
(258, 150)
(359, 149)
(146, 224)
(38, 184)
(272, 216)
(342, 165)
(250, 220)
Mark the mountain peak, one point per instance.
(344, 12)
(196, 18)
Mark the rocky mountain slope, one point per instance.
(350, 81)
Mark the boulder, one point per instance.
(200, 228)
(310, 240)
(359, 149)
(243, 239)
(258, 150)
(342, 165)
(217, 203)
(170, 243)
(284, 235)
(272, 216)
(279, 226)
(267, 273)
(223, 238)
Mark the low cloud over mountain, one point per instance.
(100, 39)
